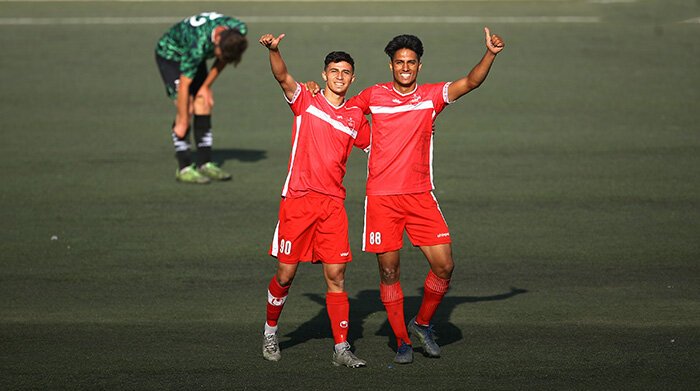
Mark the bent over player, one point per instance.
(313, 224)
(182, 54)
(400, 182)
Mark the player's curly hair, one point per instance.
(338, 57)
(232, 44)
(404, 41)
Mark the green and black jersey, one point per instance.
(189, 42)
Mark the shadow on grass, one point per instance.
(368, 302)
(220, 156)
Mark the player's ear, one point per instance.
(352, 79)
(420, 65)
(323, 75)
(217, 34)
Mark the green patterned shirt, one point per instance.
(189, 41)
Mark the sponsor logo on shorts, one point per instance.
(344, 324)
(443, 235)
(344, 254)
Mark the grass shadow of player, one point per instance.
(220, 156)
(445, 332)
(368, 302)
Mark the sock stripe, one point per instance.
(436, 284)
(390, 293)
(274, 300)
(276, 293)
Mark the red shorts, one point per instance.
(311, 228)
(387, 216)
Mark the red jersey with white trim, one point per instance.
(401, 153)
(322, 138)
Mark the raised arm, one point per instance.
(279, 68)
(494, 45)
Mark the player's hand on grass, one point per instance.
(493, 42)
(270, 42)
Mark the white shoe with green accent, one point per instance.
(214, 172)
(190, 175)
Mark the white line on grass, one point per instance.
(282, 1)
(694, 20)
(611, 1)
(305, 19)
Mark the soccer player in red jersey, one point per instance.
(313, 224)
(400, 182)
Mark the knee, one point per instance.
(284, 279)
(444, 269)
(201, 107)
(336, 276)
(389, 274)
(336, 284)
(335, 280)
(284, 282)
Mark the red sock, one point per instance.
(434, 290)
(276, 296)
(392, 298)
(338, 308)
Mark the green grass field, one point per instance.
(570, 180)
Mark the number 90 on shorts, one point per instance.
(285, 247)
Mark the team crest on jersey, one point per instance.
(416, 99)
(349, 122)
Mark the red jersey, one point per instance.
(401, 154)
(322, 137)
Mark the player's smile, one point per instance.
(338, 77)
(405, 66)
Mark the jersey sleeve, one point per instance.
(446, 93)
(440, 96)
(298, 102)
(362, 100)
(363, 135)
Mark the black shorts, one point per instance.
(170, 72)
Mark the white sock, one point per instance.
(341, 346)
(270, 329)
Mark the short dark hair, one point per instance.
(232, 44)
(404, 41)
(338, 57)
